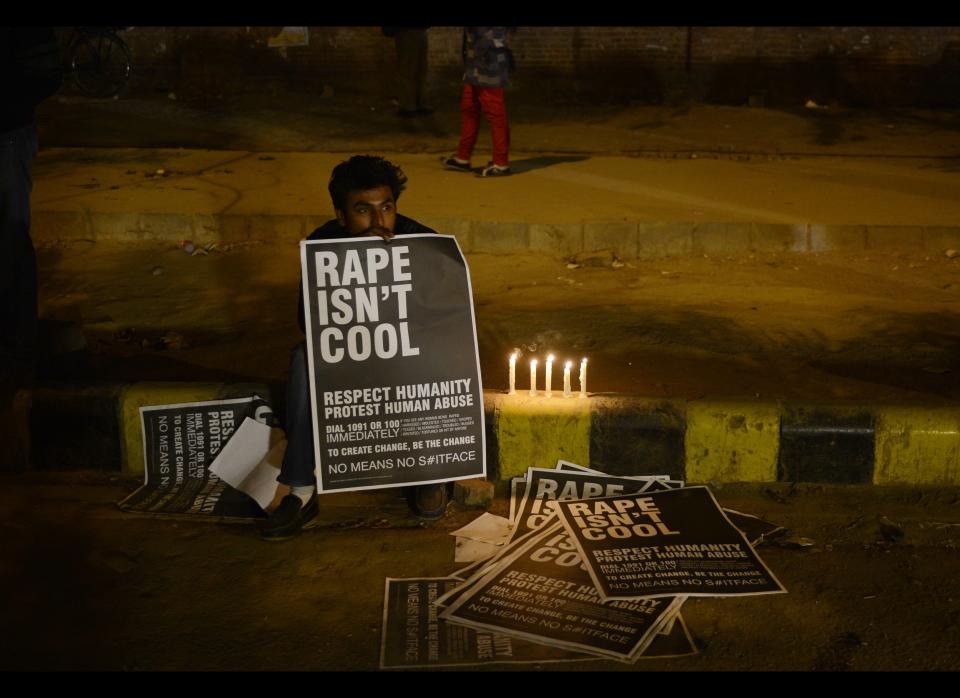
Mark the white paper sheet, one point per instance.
(472, 550)
(486, 528)
(250, 462)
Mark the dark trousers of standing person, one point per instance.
(298, 465)
(490, 101)
(18, 262)
(411, 69)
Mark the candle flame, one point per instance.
(569, 364)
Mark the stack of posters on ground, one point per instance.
(414, 636)
(540, 584)
(216, 459)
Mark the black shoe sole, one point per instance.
(310, 516)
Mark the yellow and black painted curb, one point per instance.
(703, 441)
(700, 441)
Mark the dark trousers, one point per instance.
(298, 461)
(298, 467)
(18, 262)
(411, 68)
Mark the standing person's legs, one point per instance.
(407, 58)
(420, 74)
(470, 112)
(495, 110)
(297, 470)
(18, 273)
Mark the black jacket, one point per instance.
(30, 72)
(331, 230)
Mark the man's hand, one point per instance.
(377, 231)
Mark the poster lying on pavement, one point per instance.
(413, 636)
(179, 444)
(394, 369)
(518, 485)
(665, 482)
(545, 485)
(664, 543)
(539, 591)
(754, 528)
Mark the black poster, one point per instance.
(546, 485)
(542, 593)
(662, 544)
(753, 527)
(414, 636)
(179, 444)
(394, 369)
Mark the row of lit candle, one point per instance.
(549, 377)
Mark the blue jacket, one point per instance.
(486, 57)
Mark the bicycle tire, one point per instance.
(100, 65)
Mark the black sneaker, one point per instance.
(455, 163)
(429, 502)
(289, 517)
(492, 170)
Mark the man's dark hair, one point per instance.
(362, 172)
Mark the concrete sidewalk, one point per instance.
(646, 181)
(637, 207)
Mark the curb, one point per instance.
(629, 240)
(701, 441)
(715, 441)
(73, 426)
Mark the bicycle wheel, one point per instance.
(100, 64)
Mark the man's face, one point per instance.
(370, 212)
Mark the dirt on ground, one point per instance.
(826, 326)
(871, 575)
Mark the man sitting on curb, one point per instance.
(364, 190)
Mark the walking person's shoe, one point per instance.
(289, 518)
(429, 502)
(455, 163)
(492, 170)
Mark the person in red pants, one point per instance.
(487, 63)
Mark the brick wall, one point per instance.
(853, 65)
